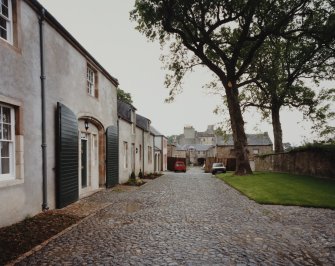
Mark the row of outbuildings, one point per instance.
(63, 133)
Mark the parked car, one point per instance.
(179, 166)
(218, 168)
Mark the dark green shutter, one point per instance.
(112, 156)
(67, 188)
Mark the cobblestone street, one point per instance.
(193, 219)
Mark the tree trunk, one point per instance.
(277, 131)
(239, 136)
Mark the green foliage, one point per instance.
(132, 175)
(171, 139)
(323, 114)
(317, 147)
(282, 67)
(285, 189)
(225, 35)
(124, 96)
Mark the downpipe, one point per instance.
(143, 150)
(43, 100)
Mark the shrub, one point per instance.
(140, 174)
(132, 175)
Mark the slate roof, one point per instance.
(124, 110)
(253, 140)
(142, 122)
(204, 134)
(197, 147)
(155, 132)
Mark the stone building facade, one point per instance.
(142, 148)
(127, 139)
(54, 164)
(160, 141)
(197, 147)
(225, 152)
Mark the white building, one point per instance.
(53, 147)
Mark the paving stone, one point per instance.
(192, 219)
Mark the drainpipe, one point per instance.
(143, 150)
(162, 154)
(118, 147)
(44, 144)
(153, 150)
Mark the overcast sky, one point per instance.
(104, 29)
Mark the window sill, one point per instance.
(93, 97)
(10, 45)
(10, 183)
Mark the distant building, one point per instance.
(225, 151)
(197, 147)
(190, 136)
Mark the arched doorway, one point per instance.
(91, 155)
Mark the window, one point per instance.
(255, 151)
(6, 20)
(149, 154)
(125, 154)
(140, 152)
(91, 82)
(7, 142)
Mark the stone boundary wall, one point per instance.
(314, 163)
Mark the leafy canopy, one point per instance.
(124, 96)
(223, 35)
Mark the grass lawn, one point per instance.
(284, 189)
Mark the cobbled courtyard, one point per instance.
(193, 219)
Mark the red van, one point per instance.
(179, 166)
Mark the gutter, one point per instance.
(45, 207)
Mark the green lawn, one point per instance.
(284, 189)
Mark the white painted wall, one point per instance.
(139, 155)
(125, 135)
(65, 69)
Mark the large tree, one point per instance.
(223, 35)
(286, 72)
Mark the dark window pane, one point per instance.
(5, 2)
(5, 11)
(5, 166)
(3, 32)
(0, 131)
(6, 115)
(7, 132)
(3, 23)
(4, 149)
